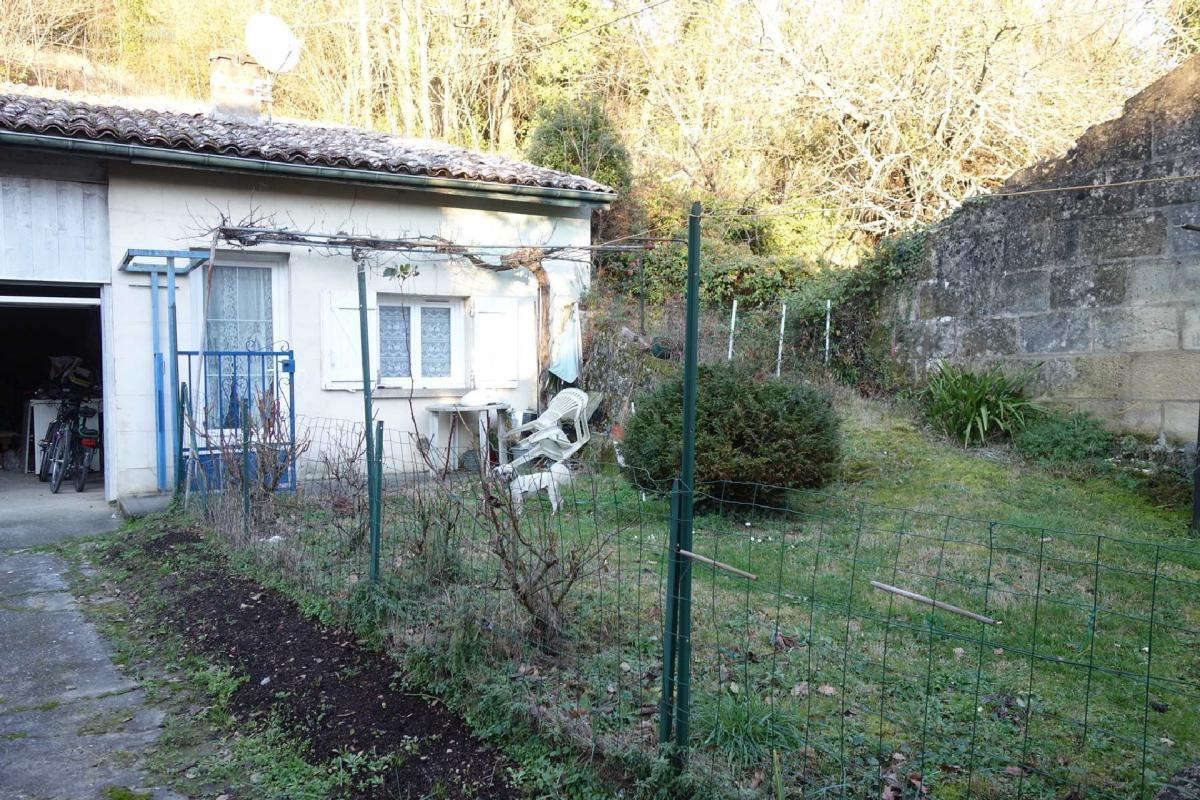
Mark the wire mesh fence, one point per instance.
(1080, 678)
(837, 649)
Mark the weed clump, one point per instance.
(976, 406)
(1058, 438)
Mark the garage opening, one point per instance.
(50, 370)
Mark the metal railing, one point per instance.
(223, 395)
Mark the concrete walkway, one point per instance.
(71, 726)
(30, 516)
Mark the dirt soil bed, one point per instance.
(332, 693)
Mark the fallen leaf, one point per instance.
(1014, 770)
(827, 690)
(756, 780)
(959, 653)
(800, 689)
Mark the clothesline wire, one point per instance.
(737, 213)
(434, 245)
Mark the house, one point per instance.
(87, 185)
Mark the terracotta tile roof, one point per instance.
(284, 142)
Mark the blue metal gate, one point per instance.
(207, 403)
(227, 398)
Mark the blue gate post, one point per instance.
(160, 422)
(173, 344)
(289, 369)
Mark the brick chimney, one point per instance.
(238, 87)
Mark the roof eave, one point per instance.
(165, 156)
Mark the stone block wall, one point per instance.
(1099, 285)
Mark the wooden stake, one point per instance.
(717, 564)
(920, 598)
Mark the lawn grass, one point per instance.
(1089, 684)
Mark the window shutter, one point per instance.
(341, 354)
(495, 360)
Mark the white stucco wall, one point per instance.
(169, 208)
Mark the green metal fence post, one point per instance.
(197, 469)
(245, 467)
(178, 443)
(365, 344)
(377, 507)
(1196, 483)
(687, 488)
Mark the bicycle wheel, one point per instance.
(59, 457)
(81, 468)
(44, 466)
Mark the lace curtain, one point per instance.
(394, 356)
(239, 309)
(435, 342)
(238, 317)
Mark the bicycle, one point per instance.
(72, 445)
(47, 441)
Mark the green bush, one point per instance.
(976, 406)
(1057, 437)
(749, 431)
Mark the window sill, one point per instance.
(397, 392)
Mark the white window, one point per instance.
(243, 302)
(421, 341)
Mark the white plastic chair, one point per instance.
(546, 438)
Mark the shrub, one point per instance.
(1057, 437)
(976, 406)
(748, 431)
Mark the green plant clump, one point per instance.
(977, 406)
(1058, 437)
(750, 432)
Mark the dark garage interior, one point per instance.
(30, 336)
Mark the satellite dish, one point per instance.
(272, 44)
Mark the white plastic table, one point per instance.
(443, 456)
